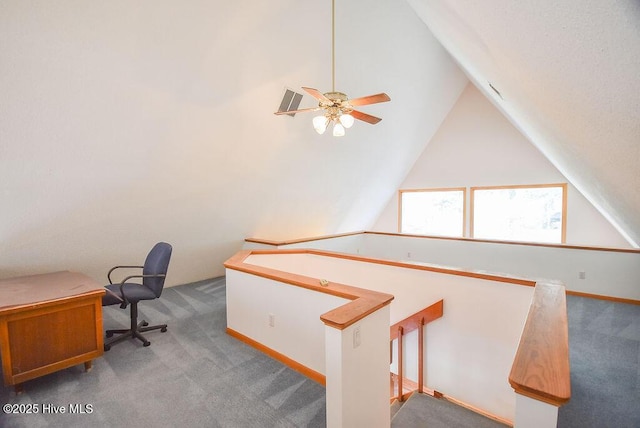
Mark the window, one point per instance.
(432, 212)
(535, 213)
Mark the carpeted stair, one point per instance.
(424, 411)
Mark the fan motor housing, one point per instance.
(336, 96)
(339, 104)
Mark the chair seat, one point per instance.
(134, 292)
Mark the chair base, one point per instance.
(134, 332)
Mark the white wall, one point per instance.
(606, 273)
(297, 332)
(477, 146)
(358, 376)
(125, 123)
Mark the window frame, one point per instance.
(438, 189)
(563, 186)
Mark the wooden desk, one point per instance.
(48, 322)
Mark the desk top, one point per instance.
(34, 289)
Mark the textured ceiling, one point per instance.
(568, 76)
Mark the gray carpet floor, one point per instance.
(604, 346)
(195, 375)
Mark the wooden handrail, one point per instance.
(362, 302)
(407, 325)
(421, 317)
(541, 368)
(299, 240)
(446, 238)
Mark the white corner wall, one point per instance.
(477, 146)
(297, 330)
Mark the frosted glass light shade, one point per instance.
(338, 130)
(320, 124)
(346, 120)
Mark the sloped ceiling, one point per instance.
(568, 75)
(124, 123)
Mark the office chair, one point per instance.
(126, 293)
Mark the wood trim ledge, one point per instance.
(300, 240)
(446, 238)
(541, 368)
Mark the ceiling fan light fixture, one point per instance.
(346, 120)
(336, 106)
(338, 130)
(320, 124)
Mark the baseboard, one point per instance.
(294, 365)
(467, 406)
(602, 297)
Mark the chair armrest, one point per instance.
(120, 267)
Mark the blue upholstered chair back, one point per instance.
(157, 262)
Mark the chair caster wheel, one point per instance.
(163, 330)
(144, 323)
(146, 343)
(109, 334)
(107, 347)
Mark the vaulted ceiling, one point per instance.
(124, 123)
(568, 75)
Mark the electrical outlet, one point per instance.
(582, 275)
(408, 255)
(272, 320)
(356, 337)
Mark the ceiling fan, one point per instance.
(337, 107)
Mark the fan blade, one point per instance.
(371, 99)
(317, 95)
(365, 117)
(291, 112)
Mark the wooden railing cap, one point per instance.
(541, 368)
(362, 302)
